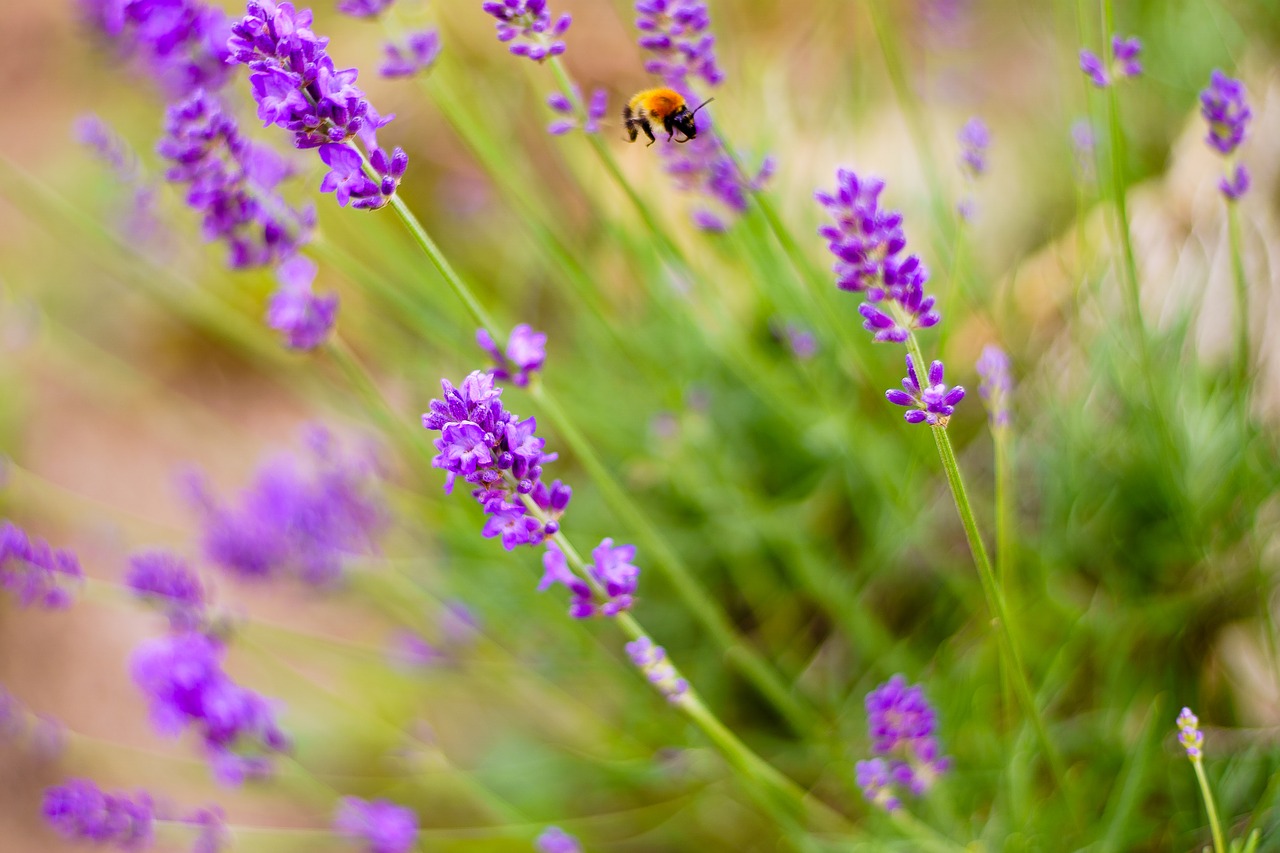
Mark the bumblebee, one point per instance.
(660, 105)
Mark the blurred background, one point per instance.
(816, 519)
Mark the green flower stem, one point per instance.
(1219, 841)
(995, 598)
(1244, 352)
(746, 660)
(1001, 440)
(775, 791)
(923, 834)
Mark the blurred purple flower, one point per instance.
(381, 825)
(1124, 62)
(676, 35)
(181, 44)
(1235, 185)
(933, 403)
(37, 573)
(528, 24)
(163, 579)
(186, 687)
(996, 384)
(80, 811)
(560, 104)
(974, 140)
(212, 835)
(526, 352)
(555, 840)
(364, 8)
(1224, 107)
(303, 519)
(303, 318)
(231, 182)
(611, 569)
(901, 724)
(420, 51)
(653, 662)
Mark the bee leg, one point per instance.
(648, 131)
(629, 121)
(631, 131)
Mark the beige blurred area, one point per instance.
(96, 416)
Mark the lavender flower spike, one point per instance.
(996, 384)
(1224, 107)
(526, 352)
(364, 8)
(1124, 62)
(303, 318)
(489, 447)
(382, 826)
(39, 574)
(901, 724)
(676, 34)
(1190, 735)
(597, 107)
(164, 580)
(298, 89)
(80, 810)
(652, 661)
(418, 54)
(974, 140)
(555, 840)
(933, 403)
(528, 24)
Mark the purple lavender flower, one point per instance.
(382, 826)
(37, 573)
(419, 53)
(304, 519)
(1124, 62)
(1223, 106)
(555, 840)
(79, 810)
(487, 446)
(974, 140)
(901, 724)
(526, 352)
(868, 242)
(702, 166)
(298, 88)
(566, 121)
(1083, 143)
(186, 687)
(303, 318)
(1235, 185)
(92, 131)
(181, 44)
(653, 662)
(162, 578)
(932, 404)
(212, 835)
(232, 183)
(676, 34)
(798, 338)
(1190, 735)
(611, 570)
(877, 779)
(996, 384)
(528, 24)
(364, 8)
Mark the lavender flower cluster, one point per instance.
(677, 35)
(382, 826)
(181, 44)
(528, 25)
(901, 724)
(417, 55)
(79, 810)
(1224, 108)
(1124, 62)
(562, 106)
(996, 385)
(502, 456)
(1190, 735)
(555, 840)
(232, 183)
(652, 660)
(163, 580)
(306, 520)
(37, 573)
(298, 89)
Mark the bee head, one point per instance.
(683, 121)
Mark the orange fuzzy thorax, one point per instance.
(658, 103)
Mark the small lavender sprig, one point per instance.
(596, 108)
(529, 25)
(79, 810)
(163, 580)
(364, 8)
(1124, 62)
(39, 574)
(555, 840)
(379, 825)
(1192, 740)
(298, 89)
(1224, 108)
(526, 351)
(416, 56)
(901, 724)
(996, 384)
(974, 139)
(302, 317)
(180, 44)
